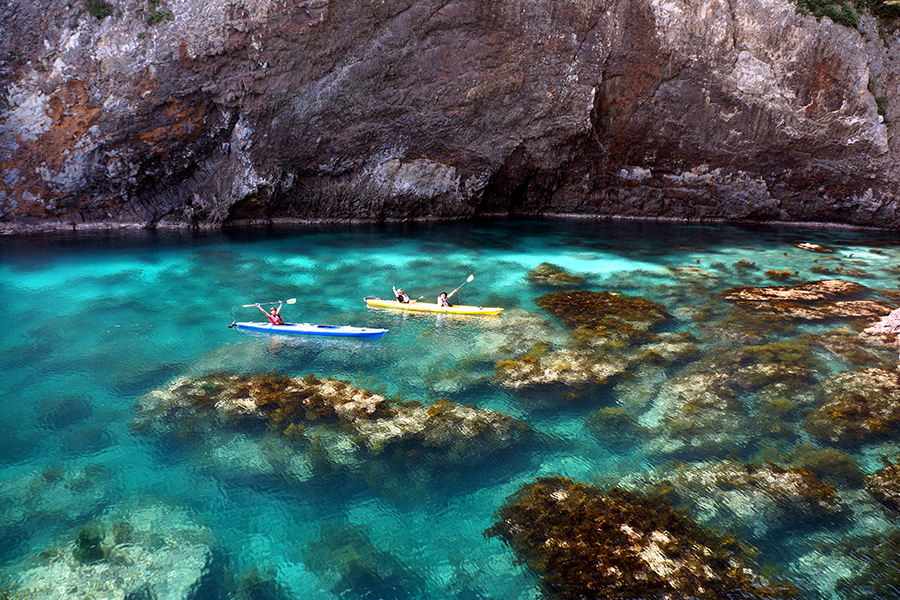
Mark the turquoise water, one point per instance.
(95, 321)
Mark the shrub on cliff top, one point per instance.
(847, 13)
(98, 8)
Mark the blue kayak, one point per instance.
(311, 329)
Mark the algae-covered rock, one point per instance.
(618, 545)
(550, 275)
(670, 349)
(564, 367)
(858, 350)
(811, 301)
(607, 314)
(152, 551)
(614, 427)
(829, 464)
(889, 324)
(757, 501)
(884, 485)
(857, 407)
(339, 426)
(697, 417)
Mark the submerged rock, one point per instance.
(884, 485)
(550, 275)
(758, 502)
(614, 427)
(340, 426)
(612, 332)
(885, 332)
(815, 247)
(723, 404)
(887, 325)
(606, 314)
(857, 407)
(858, 350)
(811, 301)
(59, 494)
(855, 566)
(564, 367)
(152, 551)
(697, 417)
(618, 545)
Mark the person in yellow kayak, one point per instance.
(274, 315)
(402, 298)
(443, 301)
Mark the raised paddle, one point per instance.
(468, 280)
(290, 301)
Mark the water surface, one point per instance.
(95, 321)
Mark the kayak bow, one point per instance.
(430, 307)
(312, 329)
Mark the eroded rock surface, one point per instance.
(188, 113)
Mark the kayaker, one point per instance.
(402, 298)
(274, 315)
(443, 301)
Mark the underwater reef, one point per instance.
(325, 425)
(608, 333)
(884, 485)
(131, 552)
(618, 545)
(606, 314)
(759, 502)
(828, 299)
(857, 407)
(550, 275)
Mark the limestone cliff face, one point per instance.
(224, 111)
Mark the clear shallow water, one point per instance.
(96, 321)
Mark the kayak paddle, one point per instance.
(468, 280)
(291, 301)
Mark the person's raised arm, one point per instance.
(262, 309)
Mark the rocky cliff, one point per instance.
(208, 112)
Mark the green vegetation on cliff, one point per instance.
(847, 13)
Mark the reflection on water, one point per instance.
(707, 367)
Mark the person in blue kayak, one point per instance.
(443, 301)
(402, 298)
(274, 315)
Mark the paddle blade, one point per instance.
(291, 301)
(470, 278)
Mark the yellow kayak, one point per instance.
(430, 307)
